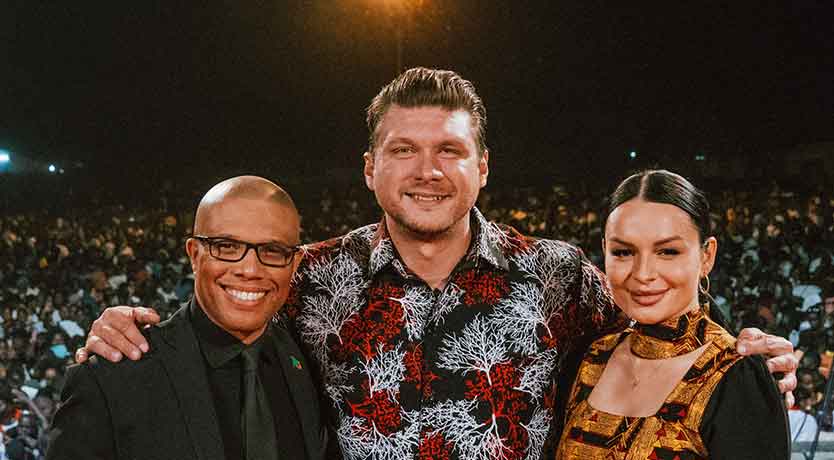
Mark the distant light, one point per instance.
(700, 157)
(5, 157)
(52, 168)
(632, 154)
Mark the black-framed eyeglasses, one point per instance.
(231, 250)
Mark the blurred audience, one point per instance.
(59, 269)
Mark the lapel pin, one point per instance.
(295, 362)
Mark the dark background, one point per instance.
(137, 94)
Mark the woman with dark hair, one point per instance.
(672, 386)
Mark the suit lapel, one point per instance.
(301, 389)
(184, 364)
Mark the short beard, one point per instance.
(421, 233)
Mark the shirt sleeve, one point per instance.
(745, 417)
(288, 316)
(590, 314)
(289, 312)
(593, 313)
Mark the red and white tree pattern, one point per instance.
(466, 372)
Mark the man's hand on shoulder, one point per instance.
(780, 354)
(116, 333)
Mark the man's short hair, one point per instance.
(419, 87)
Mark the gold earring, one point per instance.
(704, 290)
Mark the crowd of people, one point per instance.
(56, 275)
(60, 267)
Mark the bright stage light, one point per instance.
(52, 168)
(5, 157)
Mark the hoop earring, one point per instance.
(704, 290)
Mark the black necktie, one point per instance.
(256, 421)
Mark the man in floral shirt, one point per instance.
(462, 369)
(436, 334)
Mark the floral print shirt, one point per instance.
(465, 372)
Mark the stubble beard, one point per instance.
(419, 231)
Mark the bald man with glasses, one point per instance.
(223, 380)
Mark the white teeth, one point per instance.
(427, 198)
(245, 295)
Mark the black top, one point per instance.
(223, 365)
(745, 417)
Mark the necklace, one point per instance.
(670, 338)
(635, 375)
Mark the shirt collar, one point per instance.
(218, 346)
(485, 245)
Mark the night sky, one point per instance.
(156, 89)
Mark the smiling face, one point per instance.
(426, 170)
(242, 296)
(654, 260)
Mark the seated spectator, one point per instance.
(801, 417)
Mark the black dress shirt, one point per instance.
(221, 352)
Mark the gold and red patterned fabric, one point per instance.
(674, 432)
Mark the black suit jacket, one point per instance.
(161, 407)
